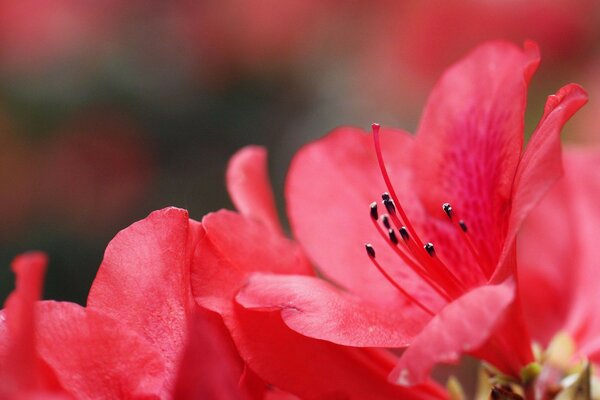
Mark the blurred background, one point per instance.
(110, 109)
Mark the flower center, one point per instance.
(418, 255)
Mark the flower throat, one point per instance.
(420, 257)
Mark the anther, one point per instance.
(393, 237)
(370, 250)
(404, 234)
(374, 213)
(385, 196)
(463, 226)
(447, 209)
(386, 222)
(389, 206)
(430, 249)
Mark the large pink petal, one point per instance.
(330, 185)
(315, 308)
(144, 279)
(470, 138)
(310, 368)
(462, 327)
(95, 356)
(231, 248)
(541, 164)
(249, 187)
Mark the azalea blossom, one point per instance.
(439, 273)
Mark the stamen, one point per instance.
(371, 253)
(404, 233)
(388, 183)
(386, 222)
(447, 209)
(435, 268)
(408, 260)
(374, 213)
(389, 206)
(430, 249)
(391, 209)
(370, 250)
(393, 237)
(456, 288)
(462, 228)
(420, 257)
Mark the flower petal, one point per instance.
(231, 248)
(584, 320)
(470, 138)
(461, 327)
(315, 308)
(95, 356)
(210, 367)
(310, 368)
(547, 244)
(541, 165)
(330, 185)
(143, 281)
(21, 370)
(249, 187)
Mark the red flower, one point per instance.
(458, 296)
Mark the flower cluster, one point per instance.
(472, 249)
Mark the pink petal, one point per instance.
(580, 229)
(95, 356)
(231, 248)
(143, 281)
(210, 367)
(541, 165)
(315, 308)
(549, 246)
(470, 138)
(310, 368)
(249, 187)
(330, 185)
(461, 327)
(22, 372)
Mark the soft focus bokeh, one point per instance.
(111, 109)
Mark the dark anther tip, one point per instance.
(404, 233)
(386, 222)
(374, 213)
(385, 196)
(370, 250)
(389, 206)
(430, 249)
(447, 209)
(393, 237)
(462, 225)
